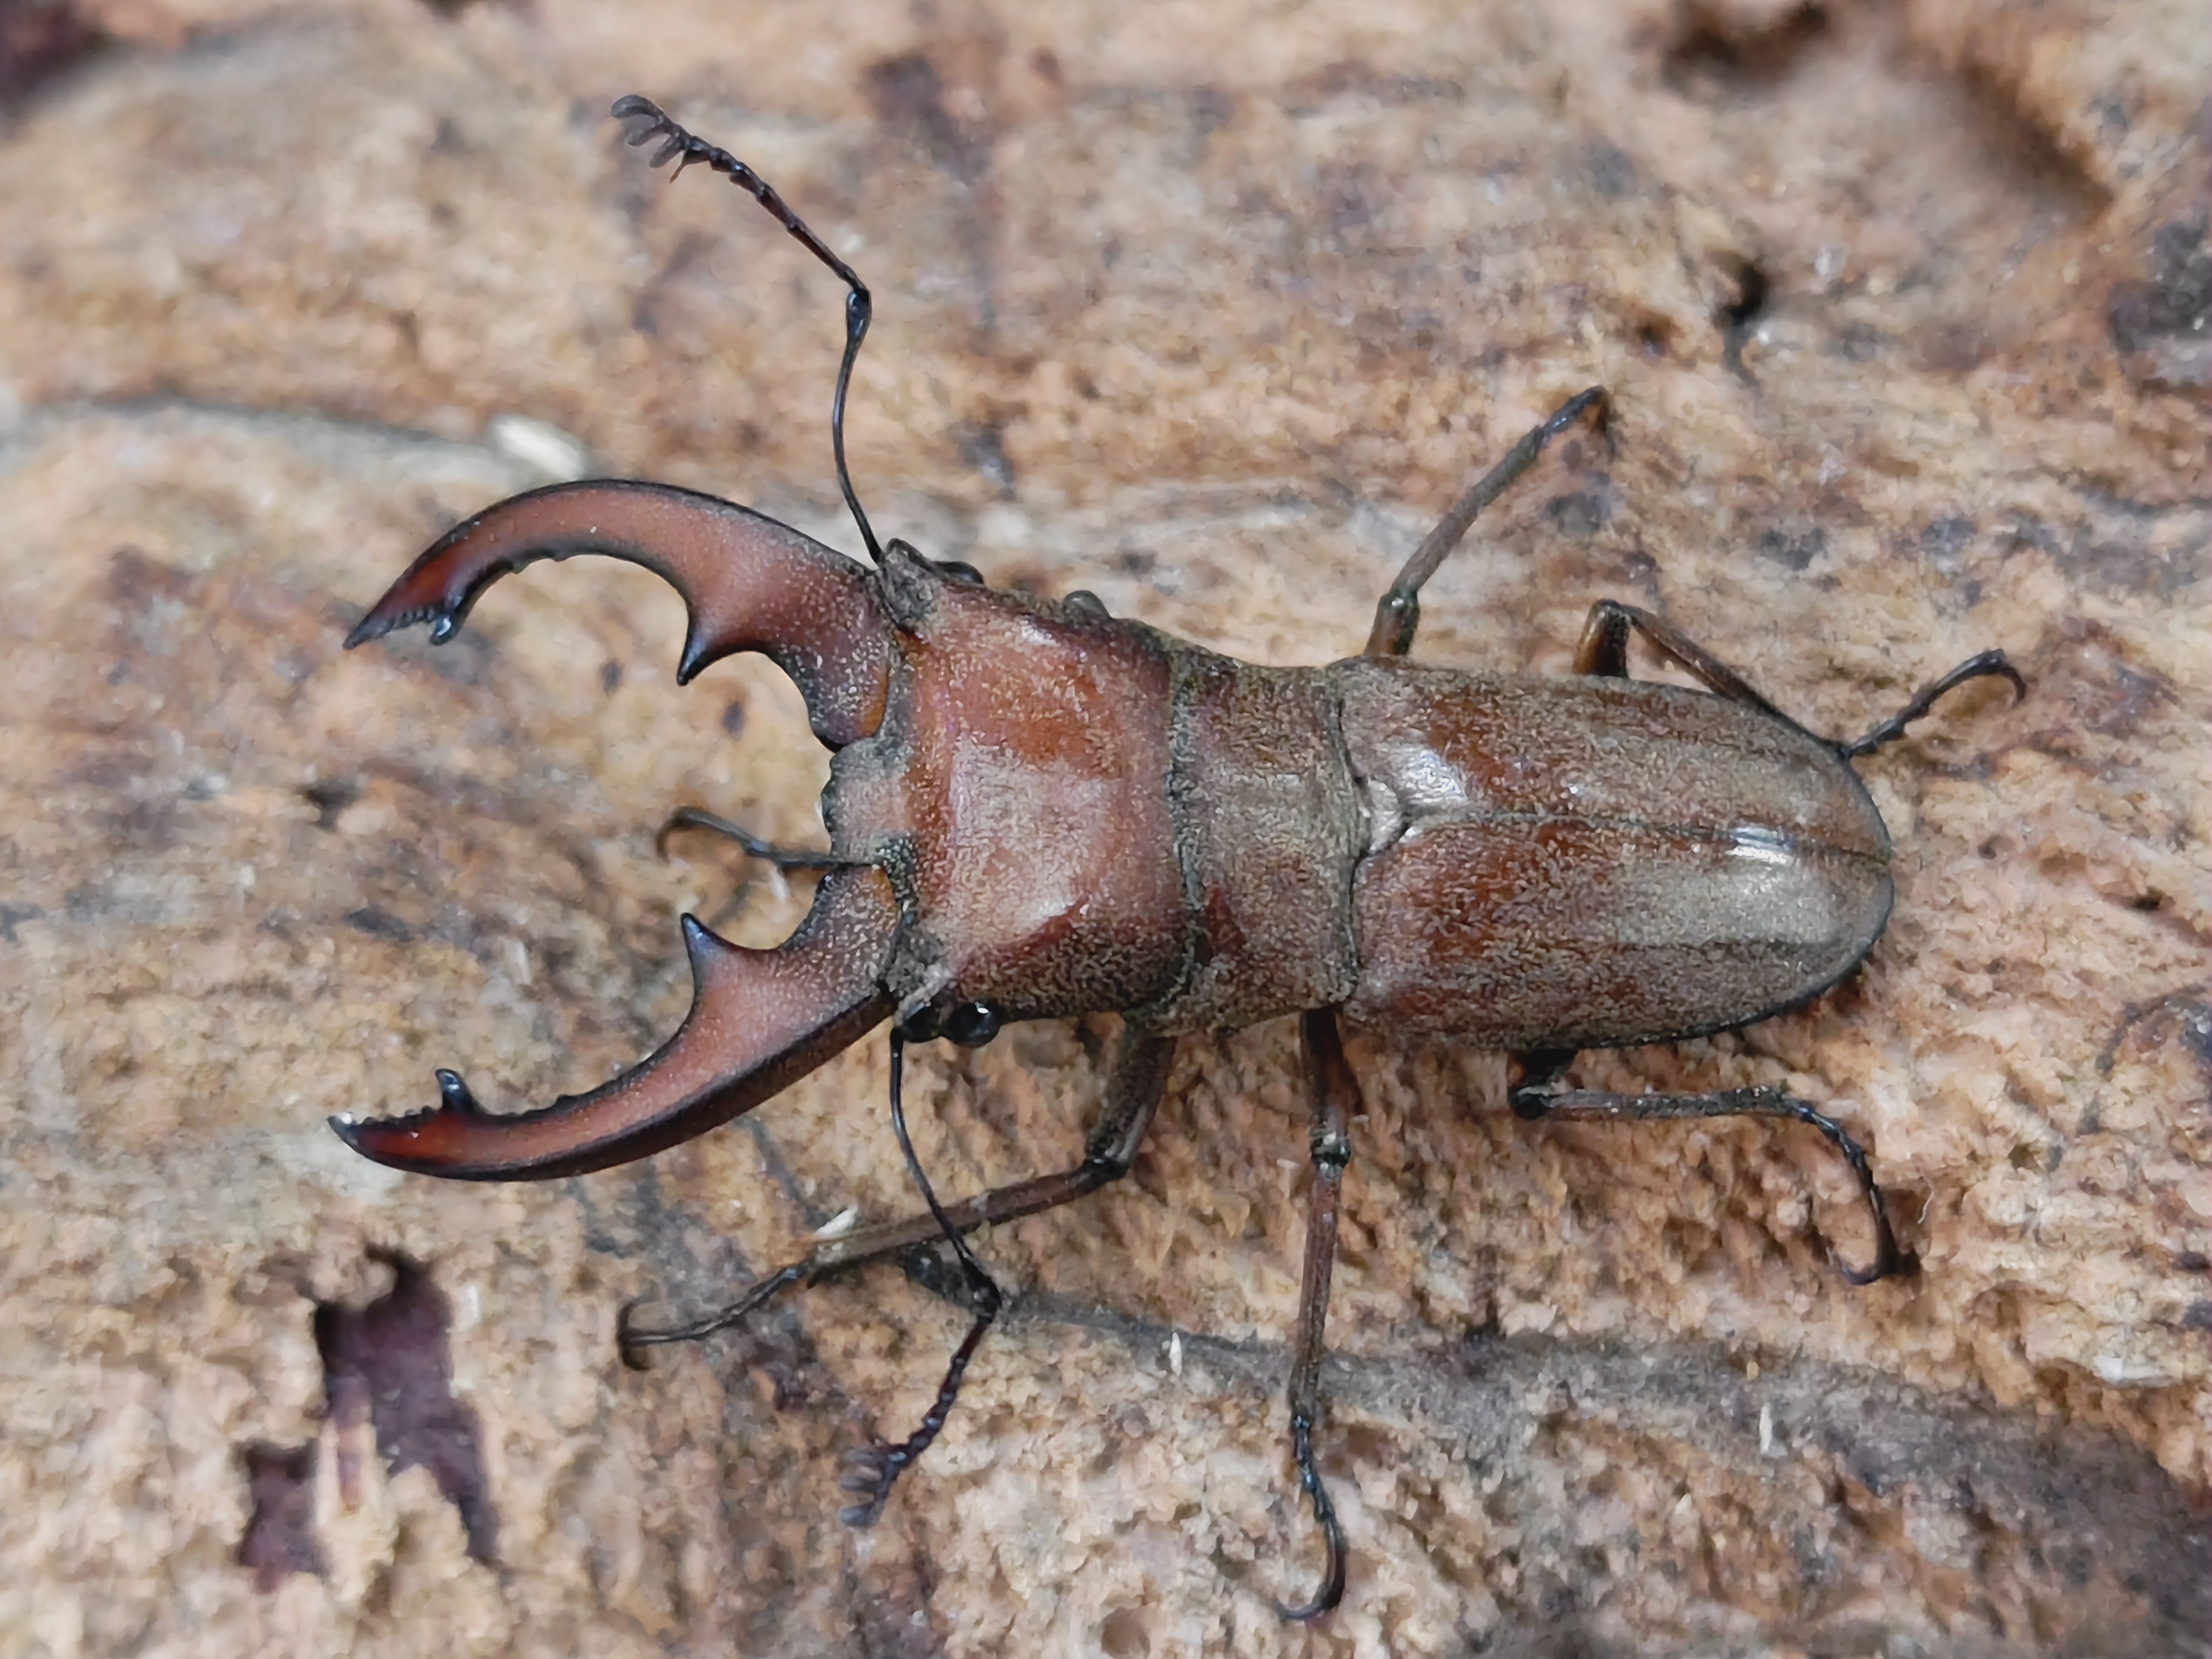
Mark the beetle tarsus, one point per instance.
(1135, 1082)
(1983, 665)
(1333, 1101)
(630, 1339)
(1331, 1590)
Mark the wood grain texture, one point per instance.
(1209, 307)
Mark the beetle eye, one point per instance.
(971, 1025)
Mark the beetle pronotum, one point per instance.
(1037, 810)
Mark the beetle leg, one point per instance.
(1398, 613)
(1135, 1082)
(1537, 1096)
(759, 1021)
(1134, 1088)
(1978, 666)
(1335, 1097)
(1604, 650)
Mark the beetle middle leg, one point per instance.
(1398, 613)
(1335, 1099)
(1135, 1082)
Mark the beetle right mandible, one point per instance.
(1037, 810)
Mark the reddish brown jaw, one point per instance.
(759, 1020)
(750, 584)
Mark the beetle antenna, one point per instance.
(783, 858)
(685, 148)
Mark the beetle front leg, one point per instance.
(1135, 1082)
(1335, 1098)
(1537, 1096)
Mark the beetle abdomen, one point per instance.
(1596, 862)
(1560, 934)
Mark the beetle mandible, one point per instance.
(1037, 810)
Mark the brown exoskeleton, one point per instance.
(1037, 810)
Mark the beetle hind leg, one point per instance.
(1982, 665)
(1538, 1095)
(1603, 651)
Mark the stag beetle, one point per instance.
(1037, 810)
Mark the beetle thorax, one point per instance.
(1082, 814)
(1018, 792)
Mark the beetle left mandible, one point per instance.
(1037, 810)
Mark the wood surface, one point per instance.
(1209, 308)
